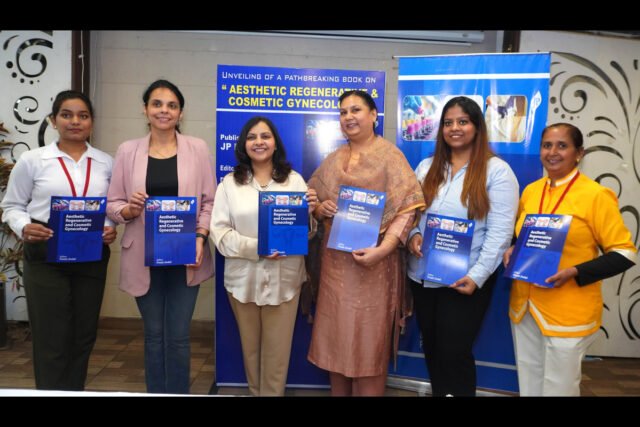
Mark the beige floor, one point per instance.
(117, 364)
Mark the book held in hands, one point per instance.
(538, 250)
(283, 223)
(170, 231)
(357, 223)
(78, 225)
(446, 246)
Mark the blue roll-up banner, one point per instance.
(513, 91)
(303, 104)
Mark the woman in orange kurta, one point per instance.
(360, 293)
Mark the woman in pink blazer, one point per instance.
(163, 163)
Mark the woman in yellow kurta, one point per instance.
(553, 327)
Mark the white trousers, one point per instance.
(548, 366)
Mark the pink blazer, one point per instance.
(195, 178)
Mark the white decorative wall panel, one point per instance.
(595, 85)
(34, 67)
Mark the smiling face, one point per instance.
(356, 118)
(163, 109)
(558, 152)
(73, 121)
(261, 144)
(458, 131)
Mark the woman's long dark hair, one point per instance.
(474, 189)
(281, 167)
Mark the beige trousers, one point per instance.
(266, 333)
(548, 366)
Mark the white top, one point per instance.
(234, 230)
(38, 175)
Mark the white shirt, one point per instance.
(38, 175)
(234, 230)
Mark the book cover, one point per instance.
(283, 223)
(537, 251)
(446, 246)
(357, 223)
(77, 224)
(170, 231)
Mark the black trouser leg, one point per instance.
(449, 322)
(64, 302)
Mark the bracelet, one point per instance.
(204, 236)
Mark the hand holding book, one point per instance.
(109, 235)
(562, 277)
(415, 245)
(326, 209)
(312, 199)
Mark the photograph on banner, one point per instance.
(421, 115)
(303, 104)
(505, 117)
(322, 136)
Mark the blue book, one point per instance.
(357, 223)
(170, 231)
(283, 223)
(77, 224)
(446, 246)
(538, 249)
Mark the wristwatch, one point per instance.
(204, 236)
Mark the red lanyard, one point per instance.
(566, 190)
(86, 180)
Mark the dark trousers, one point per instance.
(449, 323)
(63, 301)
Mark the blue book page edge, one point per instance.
(349, 235)
(540, 263)
(283, 199)
(453, 264)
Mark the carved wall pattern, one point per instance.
(34, 67)
(595, 85)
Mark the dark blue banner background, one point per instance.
(303, 104)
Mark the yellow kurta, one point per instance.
(571, 310)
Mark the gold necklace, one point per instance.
(163, 155)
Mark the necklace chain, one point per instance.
(163, 155)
